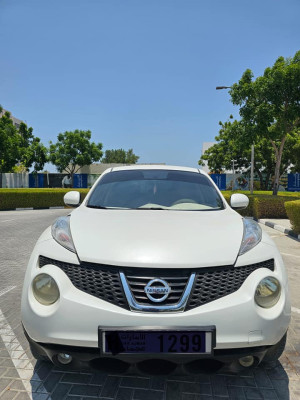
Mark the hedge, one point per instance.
(270, 206)
(293, 212)
(264, 206)
(261, 192)
(36, 198)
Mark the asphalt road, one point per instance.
(21, 377)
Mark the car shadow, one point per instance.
(262, 382)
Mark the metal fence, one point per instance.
(25, 180)
(288, 182)
(291, 182)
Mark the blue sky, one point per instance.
(139, 74)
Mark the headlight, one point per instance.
(267, 292)
(45, 289)
(62, 234)
(251, 236)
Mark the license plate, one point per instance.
(156, 342)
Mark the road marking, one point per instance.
(20, 360)
(291, 255)
(18, 356)
(7, 220)
(296, 310)
(6, 290)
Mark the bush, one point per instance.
(270, 206)
(262, 192)
(293, 212)
(36, 198)
(263, 206)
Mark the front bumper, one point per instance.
(74, 319)
(84, 358)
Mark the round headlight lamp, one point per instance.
(267, 292)
(45, 289)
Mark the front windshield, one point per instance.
(155, 190)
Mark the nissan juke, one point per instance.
(155, 268)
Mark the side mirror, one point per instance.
(239, 201)
(72, 198)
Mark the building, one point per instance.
(206, 146)
(99, 168)
(15, 120)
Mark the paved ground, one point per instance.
(21, 377)
(278, 221)
(281, 225)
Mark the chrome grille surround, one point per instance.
(137, 284)
(137, 306)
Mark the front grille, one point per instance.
(176, 283)
(213, 283)
(103, 281)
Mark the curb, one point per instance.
(280, 228)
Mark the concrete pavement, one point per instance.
(281, 225)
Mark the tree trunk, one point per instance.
(278, 155)
(72, 179)
(267, 181)
(276, 177)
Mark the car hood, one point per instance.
(157, 238)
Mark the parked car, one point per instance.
(154, 269)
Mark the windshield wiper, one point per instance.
(100, 207)
(150, 208)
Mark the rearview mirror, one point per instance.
(72, 198)
(239, 201)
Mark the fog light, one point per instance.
(45, 289)
(267, 292)
(246, 361)
(64, 358)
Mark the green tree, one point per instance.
(9, 143)
(19, 168)
(73, 150)
(270, 105)
(120, 156)
(19, 148)
(32, 151)
(230, 146)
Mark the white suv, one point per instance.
(155, 265)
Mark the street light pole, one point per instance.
(233, 170)
(223, 87)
